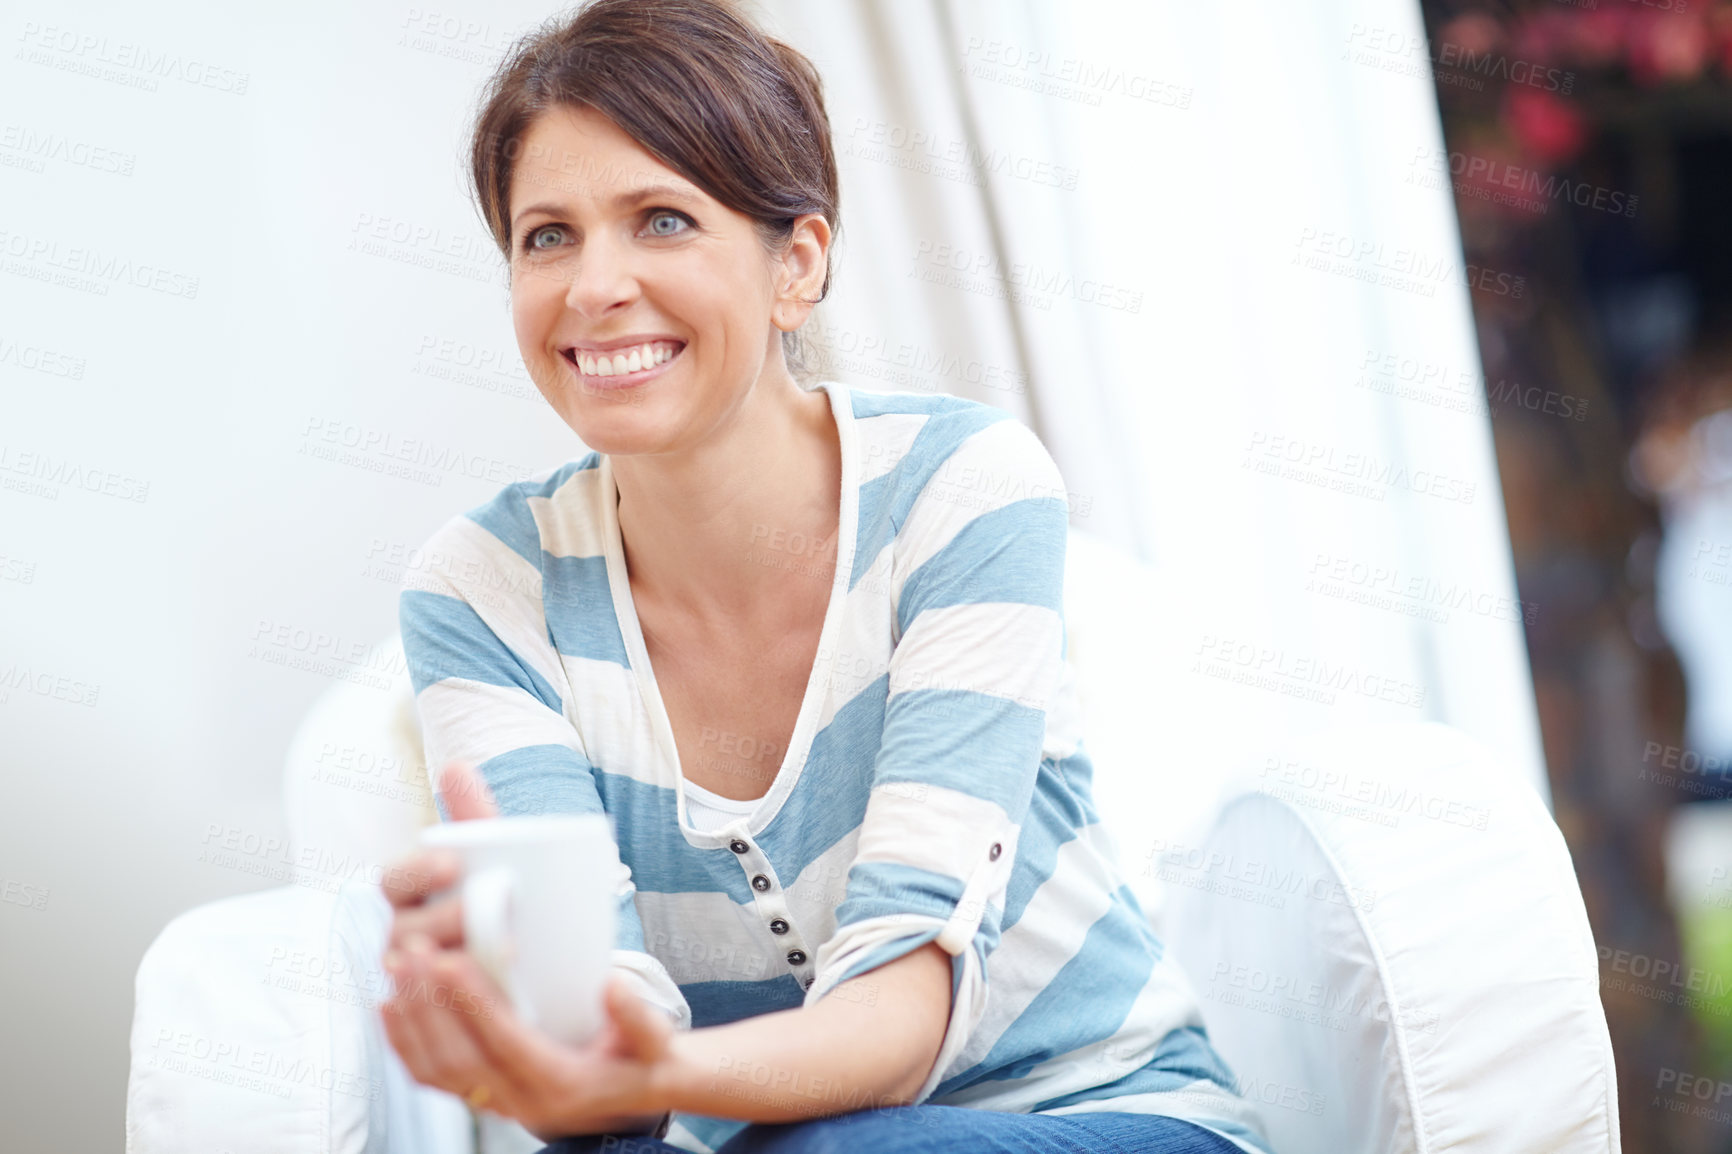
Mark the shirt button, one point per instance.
(738, 846)
(992, 854)
(760, 882)
(778, 926)
(795, 957)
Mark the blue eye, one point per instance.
(664, 214)
(529, 239)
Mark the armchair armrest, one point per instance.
(255, 1027)
(1391, 951)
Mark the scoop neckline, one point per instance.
(649, 691)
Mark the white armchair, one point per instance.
(1383, 928)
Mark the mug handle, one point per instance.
(489, 903)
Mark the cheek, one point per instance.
(725, 306)
(533, 313)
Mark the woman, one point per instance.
(804, 646)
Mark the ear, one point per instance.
(800, 272)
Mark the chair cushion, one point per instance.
(1391, 951)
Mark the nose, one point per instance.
(602, 278)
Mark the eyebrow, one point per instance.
(663, 191)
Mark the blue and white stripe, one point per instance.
(940, 721)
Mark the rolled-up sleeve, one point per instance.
(978, 574)
(488, 684)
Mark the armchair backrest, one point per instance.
(355, 785)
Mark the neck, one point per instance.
(694, 522)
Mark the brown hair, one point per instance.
(697, 85)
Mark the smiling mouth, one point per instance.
(619, 368)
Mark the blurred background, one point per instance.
(1588, 148)
(1390, 336)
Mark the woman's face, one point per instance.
(646, 311)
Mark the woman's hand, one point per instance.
(475, 1046)
(456, 1030)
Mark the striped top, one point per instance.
(935, 786)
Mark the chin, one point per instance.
(617, 426)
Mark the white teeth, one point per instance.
(632, 360)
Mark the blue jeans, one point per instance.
(928, 1129)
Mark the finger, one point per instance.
(402, 1019)
(402, 1040)
(438, 1051)
(465, 794)
(472, 998)
(410, 881)
(450, 1051)
(441, 922)
(526, 1058)
(645, 1032)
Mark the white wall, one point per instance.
(303, 320)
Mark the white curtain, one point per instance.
(1204, 251)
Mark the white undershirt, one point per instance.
(709, 811)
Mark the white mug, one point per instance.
(539, 910)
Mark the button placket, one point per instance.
(767, 896)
